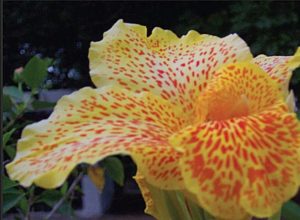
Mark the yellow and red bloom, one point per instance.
(198, 114)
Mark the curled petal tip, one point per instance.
(295, 60)
(291, 103)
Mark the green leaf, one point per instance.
(66, 209)
(39, 105)
(10, 151)
(13, 92)
(7, 103)
(13, 190)
(24, 205)
(11, 199)
(31, 190)
(50, 197)
(35, 71)
(8, 183)
(115, 169)
(7, 136)
(64, 188)
(290, 211)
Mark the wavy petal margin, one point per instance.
(280, 68)
(92, 124)
(177, 69)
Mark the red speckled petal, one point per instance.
(244, 164)
(159, 165)
(176, 69)
(244, 156)
(91, 124)
(280, 68)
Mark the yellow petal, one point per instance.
(177, 69)
(172, 204)
(237, 90)
(294, 62)
(291, 102)
(244, 164)
(96, 175)
(151, 207)
(242, 157)
(89, 125)
(277, 174)
(280, 68)
(166, 204)
(159, 165)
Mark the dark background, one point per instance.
(64, 30)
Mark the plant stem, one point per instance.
(18, 116)
(27, 216)
(30, 203)
(68, 193)
(12, 122)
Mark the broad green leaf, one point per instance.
(13, 92)
(7, 136)
(35, 71)
(8, 183)
(66, 209)
(10, 151)
(24, 206)
(50, 197)
(115, 169)
(11, 199)
(39, 105)
(27, 99)
(64, 188)
(31, 190)
(13, 190)
(290, 211)
(7, 103)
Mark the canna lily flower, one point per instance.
(207, 124)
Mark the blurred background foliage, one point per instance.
(64, 30)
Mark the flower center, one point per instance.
(236, 92)
(221, 107)
(231, 108)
